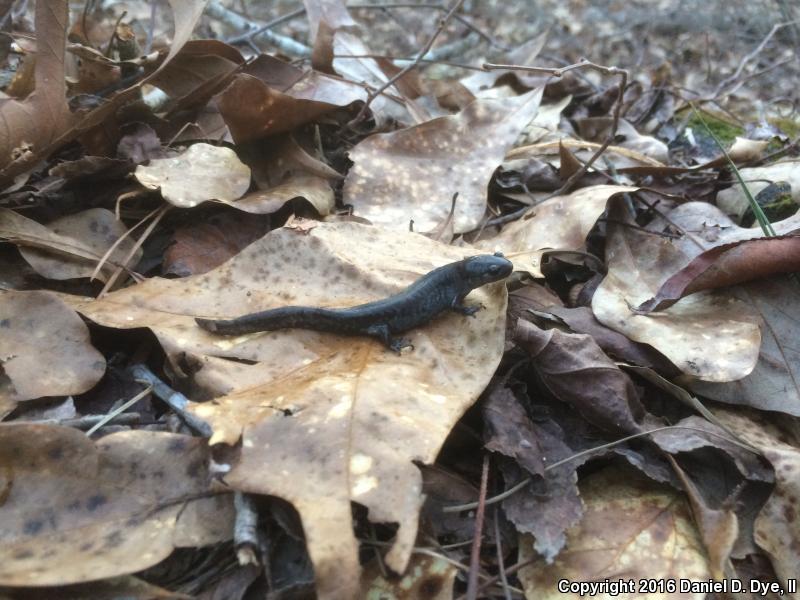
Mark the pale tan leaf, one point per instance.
(560, 223)
(709, 336)
(199, 174)
(44, 348)
(96, 230)
(339, 419)
(412, 174)
(75, 510)
(632, 530)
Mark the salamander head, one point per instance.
(486, 268)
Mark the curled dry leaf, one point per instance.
(413, 173)
(777, 529)
(709, 336)
(728, 264)
(76, 510)
(44, 349)
(337, 419)
(30, 125)
(632, 529)
(577, 372)
(429, 577)
(199, 174)
(316, 190)
(774, 383)
(560, 223)
(95, 231)
(733, 200)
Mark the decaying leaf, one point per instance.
(709, 336)
(44, 349)
(777, 529)
(632, 529)
(726, 265)
(339, 419)
(76, 510)
(30, 125)
(95, 230)
(412, 174)
(774, 382)
(199, 174)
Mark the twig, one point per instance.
(460, 18)
(499, 547)
(237, 21)
(249, 35)
(575, 177)
(520, 485)
(400, 61)
(120, 409)
(475, 554)
(752, 55)
(176, 401)
(372, 95)
(246, 539)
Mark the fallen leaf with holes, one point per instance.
(200, 173)
(726, 265)
(774, 383)
(561, 223)
(632, 529)
(92, 232)
(44, 349)
(412, 174)
(75, 510)
(777, 529)
(710, 336)
(338, 419)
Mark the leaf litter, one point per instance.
(151, 178)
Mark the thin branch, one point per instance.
(475, 554)
(442, 23)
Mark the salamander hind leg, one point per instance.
(383, 334)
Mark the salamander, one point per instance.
(439, 290)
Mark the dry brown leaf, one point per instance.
(25, 232)
(560, 223)
(254, 110)
(728, 264)
(325, 17)
(315, 189)
(201, 173)
(76, 510)
(413, 173)
(30, 125)
(709, 336)
(774, 383)
(576, 371)
(185, 15)
(200, 247)
(339, 419)
(45, 349)
(632, 529)
(777, 528)
(733, 200)
(96, 230)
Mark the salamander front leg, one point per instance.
(383, 334)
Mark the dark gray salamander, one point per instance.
(432, 294)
